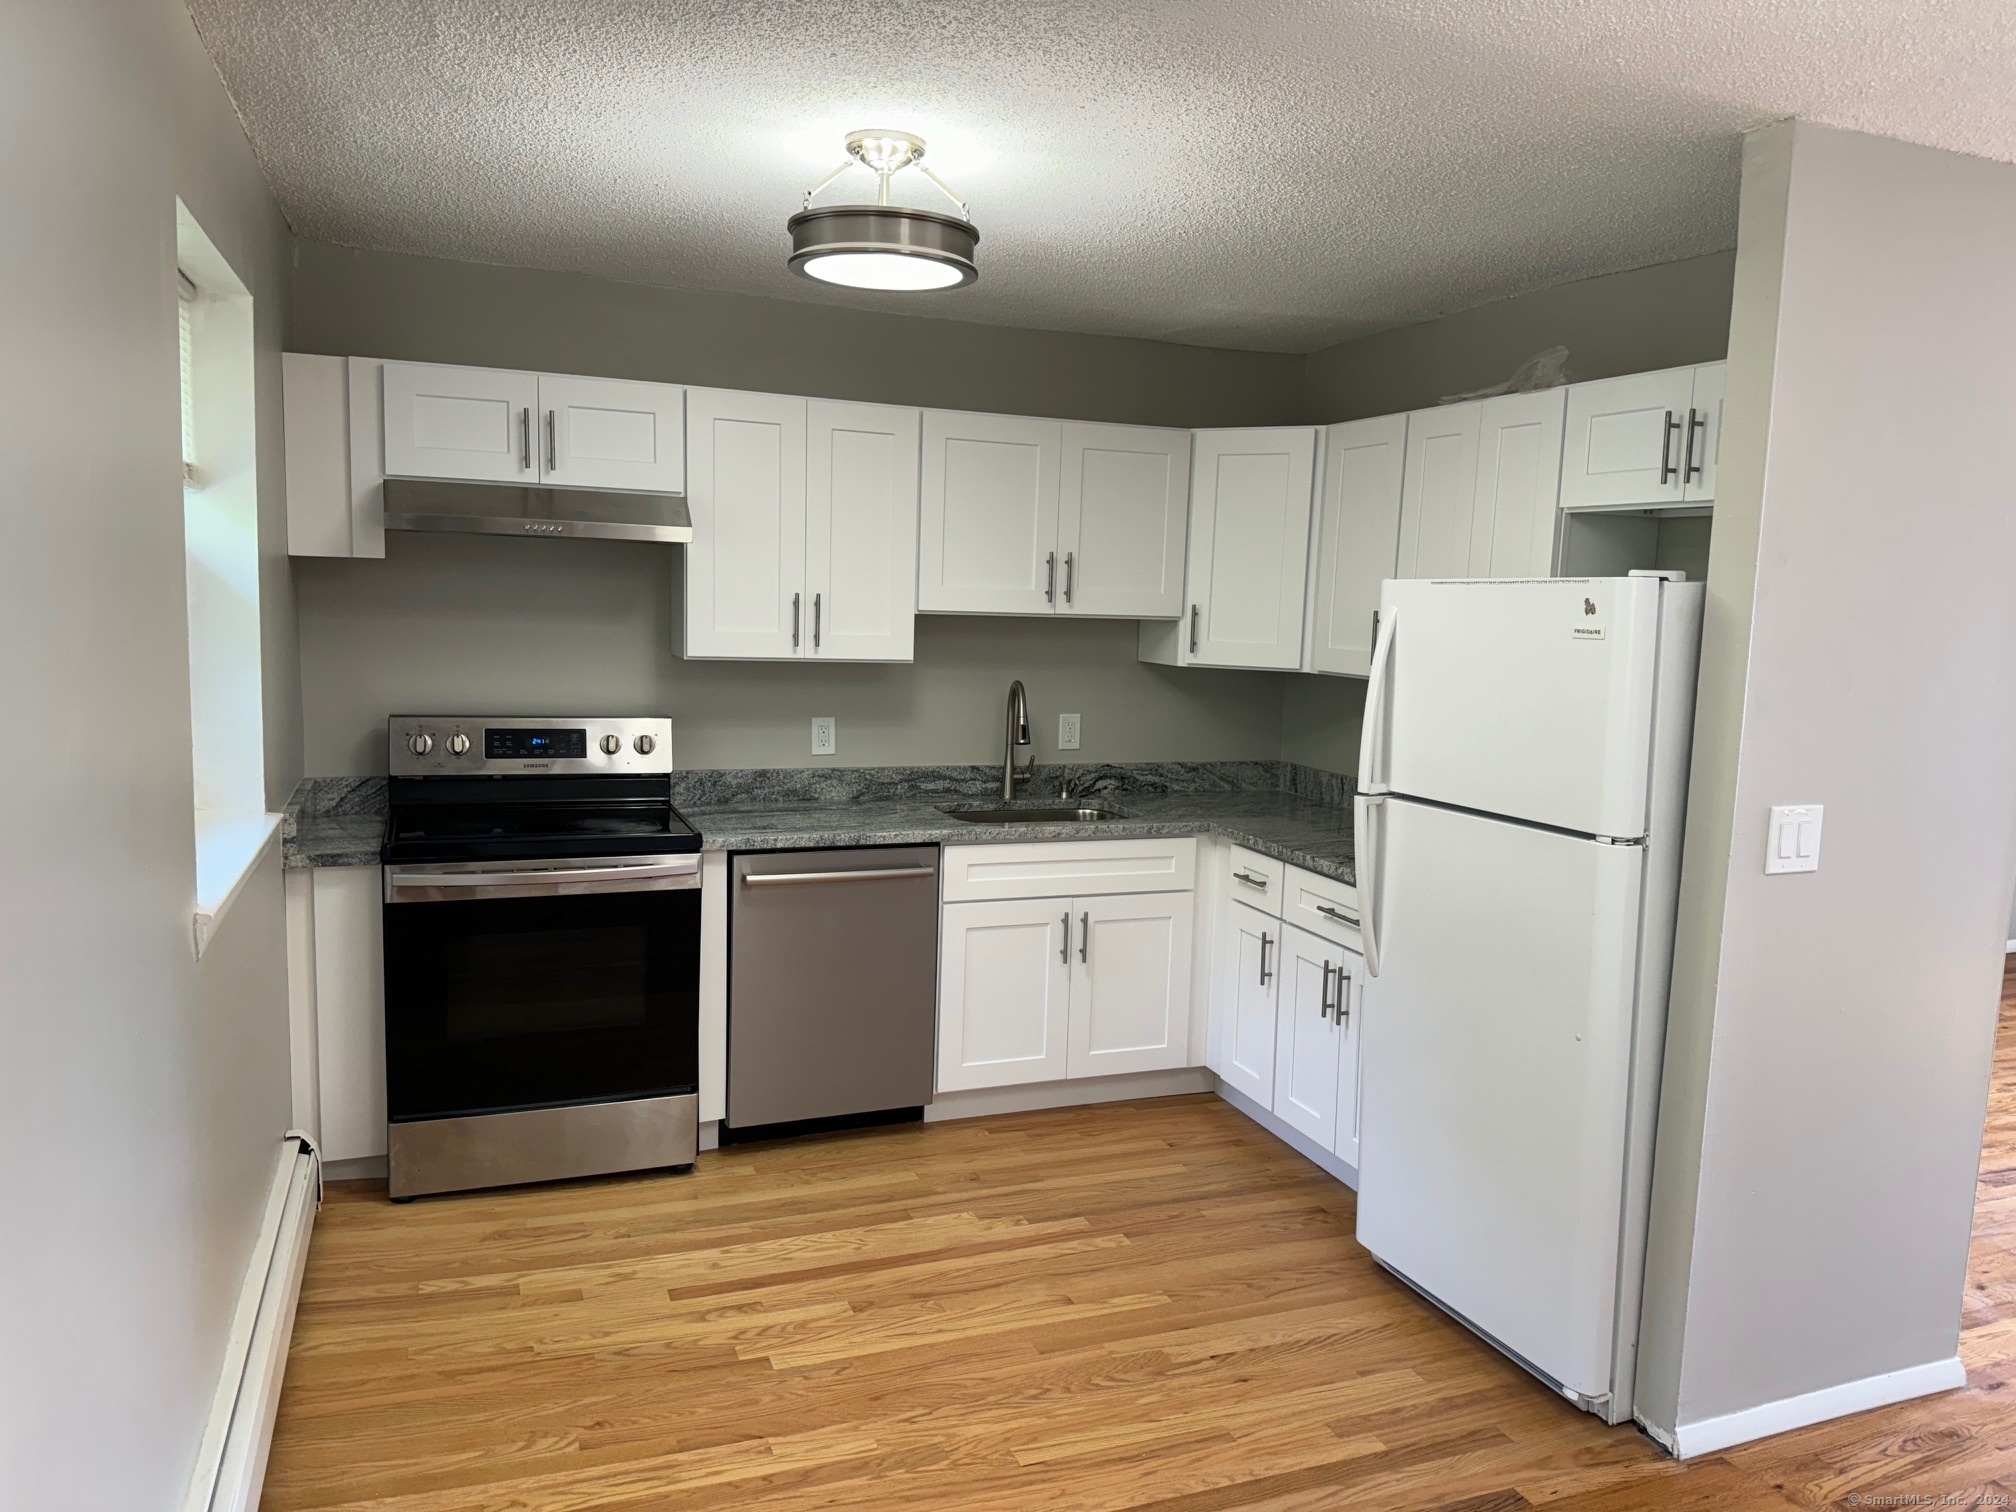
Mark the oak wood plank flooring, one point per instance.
(1137, 1306)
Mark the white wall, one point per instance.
(141, 1099)
(1831, 1033)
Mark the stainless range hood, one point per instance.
(512, 509)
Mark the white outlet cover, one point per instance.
(1067, 732)
(824, 739)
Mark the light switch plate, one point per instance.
(823, 736)
(1067, 732)
(1793, 844)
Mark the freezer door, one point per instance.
(1528, 698)
(1497, 1072)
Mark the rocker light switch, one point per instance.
(1794, 843)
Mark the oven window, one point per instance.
(512, 1003)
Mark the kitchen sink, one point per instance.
(1074, 814)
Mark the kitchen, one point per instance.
(1158, 734)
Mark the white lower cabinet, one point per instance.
(1248, 988)
(1004, 985)
(1316, 1041)
(1130, 985)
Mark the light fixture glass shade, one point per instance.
(890, 247)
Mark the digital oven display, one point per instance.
(534, 745)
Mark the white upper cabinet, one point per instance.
(1358, 538)
(495, 425)
(1439, 501)
(1644, 440)
(1130, 984)
(607, 433)
(988, 539)
(1123, 512)
(1518, 485)
(861, 531)
(745, 567)
(474, 424)
(1252, 493)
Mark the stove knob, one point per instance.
(419, 744)
(611, 744)
(458, 744)
(646, 744)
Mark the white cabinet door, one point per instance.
(1306, 1038)
(861, 531)
(1124, 512)
(1358, 538)
(1348, 1012)
(745, 567)
(1704, 432)
(1624, 440)
(1003, 993)
(1438, 506)
(348, 907)
(608, 433)
(1518, 485)
(1247, 996)
(988, 532)
(1251, 495)
(469, 423)
(1130, 984)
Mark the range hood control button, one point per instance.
(611, 744)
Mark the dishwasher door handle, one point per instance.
(876, 874)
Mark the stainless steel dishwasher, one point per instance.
(832, 985)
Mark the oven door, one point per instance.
(519, 985)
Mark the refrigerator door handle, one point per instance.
(1368, 885)
(1371, 736)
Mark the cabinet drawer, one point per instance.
(1321, 905)
(1069, 868)
(1255, 880)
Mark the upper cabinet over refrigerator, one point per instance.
(1644, 441)
(1528, 699)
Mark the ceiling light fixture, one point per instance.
(884, 246)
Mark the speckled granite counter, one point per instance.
(1292, 813)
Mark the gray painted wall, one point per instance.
(1831, 1033)
(142, 1097)
(493, 624)
(1633, 322)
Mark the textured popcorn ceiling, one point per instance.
(1249, 173)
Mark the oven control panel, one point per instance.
(441, 745)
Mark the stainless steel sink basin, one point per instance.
(1076, 814)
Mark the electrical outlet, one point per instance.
(822, 736)
(1067, 732)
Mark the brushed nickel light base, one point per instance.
(884, 246)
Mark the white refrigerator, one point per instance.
(1522, 787)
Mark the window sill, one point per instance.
(229, 848)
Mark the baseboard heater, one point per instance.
(231, 1465)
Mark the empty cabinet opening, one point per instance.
(1610, 543)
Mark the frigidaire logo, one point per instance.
(1588, 606)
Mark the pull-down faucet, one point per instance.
(1017, 735)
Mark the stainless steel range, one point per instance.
(542, 952)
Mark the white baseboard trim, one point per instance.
(231, 1462)
(983, 1102)
(2009, 947)
(1300, 1143)
(710, 1134)
(1725, 1432)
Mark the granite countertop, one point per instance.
(1294, 814)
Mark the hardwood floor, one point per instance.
(1150, 1305)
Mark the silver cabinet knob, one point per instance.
(611, 744)
(419, 744)
(458, 744)
(645, 744)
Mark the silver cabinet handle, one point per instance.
(1250, 880)
(525, 439)
(1667, 470)
(1050, 580)
(552, 442)
(1343, 995)
(1064, 954)
(1324, 1011)
(1067, 575)
(1264, 943)
(434, 884)
(1193, 629)
(1697, 425)
(1339, 915)
(1085, 937)
(800, 879)
(795, 598)
(815, 619)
